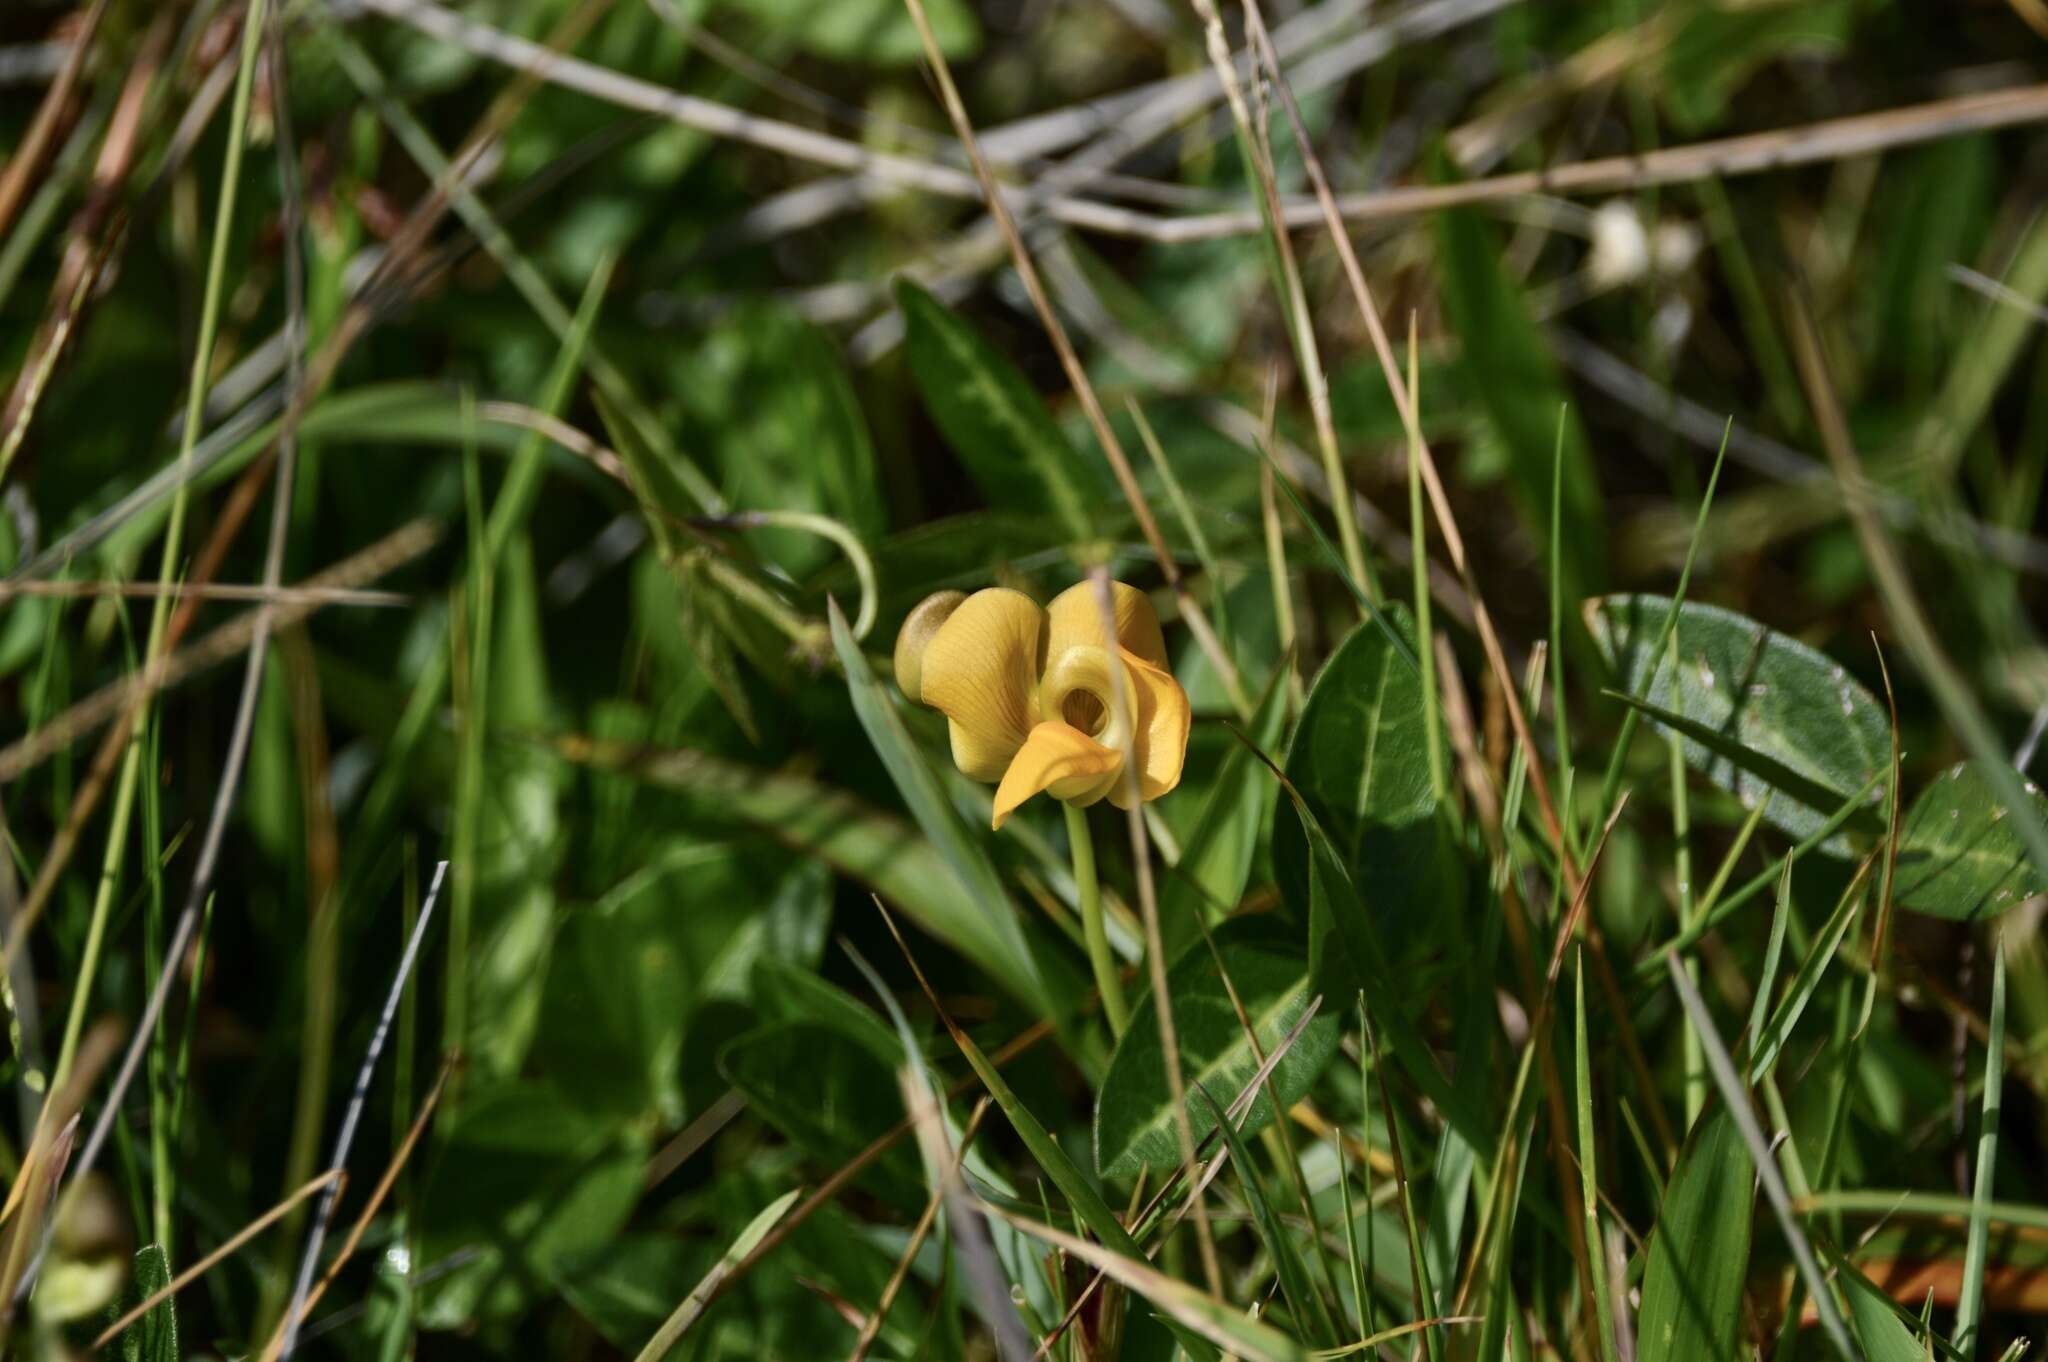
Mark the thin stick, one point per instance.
(315, 596)
(328, 1179)
(1077, 375)
(871, 1330)
(1751, 154)
(1724, 158)
(401, 546)
(1148, 900)
(311, 1258)
(376, 1201)
(23, 166)
(1454, 543)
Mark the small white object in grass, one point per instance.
(1621, 248)
(1674, 248)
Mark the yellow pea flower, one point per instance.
(1031, 695)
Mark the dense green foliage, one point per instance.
(1665, 835)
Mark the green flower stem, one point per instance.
(1108, 981)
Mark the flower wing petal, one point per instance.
(1075, 620)
(980, 670)
(1160, 743)
(1061, 760)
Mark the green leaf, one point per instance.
(1760, 711)
(527, 1181)
(1769, 1042)
(154, 1337)
(796, 993)
(1134, 1119)
(871, 32)
(519, 833)
(1699, 1251)
(626, 1288)
(1360, 758)
(1216, 854)
(1721, 44)
(1881, 1326)
(772, 408)
(1081, 1193)
(935, 814)
(830, 1095)
(992, 418)
(1959, 855)
(1345, 955)
(878, 849)
(1506, 364)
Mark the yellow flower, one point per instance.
(1031, 695)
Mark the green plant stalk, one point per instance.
(1589, 1179)
(163, 1175)
(1695, 1060)
(1970, 1308)
(1559, 718)
(1184, 508)
(1610, 784)
(1418, 557)
(174, 530)
(1257, 151)
(1108, 979)
(1283, 591)
(1361, 1294)
(473, 707)
(1763, 880)
(1418, 1261)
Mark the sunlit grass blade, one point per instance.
(700, 1296)
(1589, 1173)
(1227, 1328)
(1737, 1098)
(1295, 1285)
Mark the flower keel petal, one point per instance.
(1059, 760)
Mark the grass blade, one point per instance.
(1970, 1308)
(693, 1304)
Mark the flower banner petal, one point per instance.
(980, 670)
(1075, 620)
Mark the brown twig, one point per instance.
(1077, 374)
(200, 1268)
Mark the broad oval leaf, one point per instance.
(528, 1179)
(1134, 1120)
(1360, 761)
(1959, 855)
(1699, 1252)
(992, 418)
(1815, 734)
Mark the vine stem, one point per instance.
(1108, 980)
